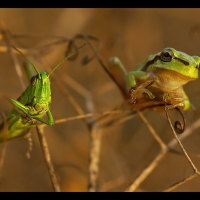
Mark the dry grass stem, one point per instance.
(110, 185)
(80, 90)
(83, 116)
(146, 172)
(164, 150)
(4, 49)
(180, 144)
(152, 130)
(14, 59)
(179, 183)
(95, 149)
(186, 133)
(69, 97)
(47, 157)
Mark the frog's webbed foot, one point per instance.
(170, 107)
(172, 101)
(137, 91)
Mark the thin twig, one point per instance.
(83, 116)
(179, 183)
(69, 97)
(14, 59)
(164, 150)
(146, 172)
(95, 149)
(4, 49)
(80, 90)
(152, 130)
(195, 125)
(110, 185)
(47, 157)
(180, 144)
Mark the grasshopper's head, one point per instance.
(40, 87)
(39, 92)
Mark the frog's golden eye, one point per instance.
(33, 80)
(166, 56)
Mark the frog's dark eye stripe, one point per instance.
(183, 61)
(151, 62)
(165, 56)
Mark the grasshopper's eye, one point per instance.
(166, 56)
(33, 80)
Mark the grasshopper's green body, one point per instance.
(31, 106)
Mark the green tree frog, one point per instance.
(158, 81)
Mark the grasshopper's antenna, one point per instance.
(66, 58)
(28, 60)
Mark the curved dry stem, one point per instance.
(180, 143)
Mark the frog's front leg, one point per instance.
(138, 82)
(133, 83)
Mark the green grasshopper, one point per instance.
(32, 105)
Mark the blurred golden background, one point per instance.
(130, 34)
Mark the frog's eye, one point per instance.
(166, 56)
(33, 80)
